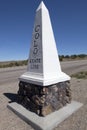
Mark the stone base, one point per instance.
(44, 100)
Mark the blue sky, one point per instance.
(69, 22)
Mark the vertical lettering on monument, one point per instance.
(36, 37)
(35, 60)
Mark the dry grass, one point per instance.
(13, 63)
(80, 75)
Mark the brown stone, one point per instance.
(44, 100)
(46, 110)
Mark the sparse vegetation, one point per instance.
(72, 57)
(13, 63)
(61, 58)
(80, 75)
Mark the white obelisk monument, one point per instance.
(44, 88)
(43, 66)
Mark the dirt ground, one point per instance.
(10, 121)
(78, 120)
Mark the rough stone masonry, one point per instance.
(44, 100)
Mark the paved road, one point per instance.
(12, 74)
(74, 66)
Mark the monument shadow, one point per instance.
(12, 96)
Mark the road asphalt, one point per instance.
(12, 74)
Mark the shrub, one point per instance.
(80, 75)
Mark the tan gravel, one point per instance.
(78, 121)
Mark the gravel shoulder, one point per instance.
(78, 120)
(10, 121)
(9, 88)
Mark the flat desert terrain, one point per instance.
(9, 88)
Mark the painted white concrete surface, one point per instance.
(43, 65)
(45, 123)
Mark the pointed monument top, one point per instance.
(43, 70)
(41, 6)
